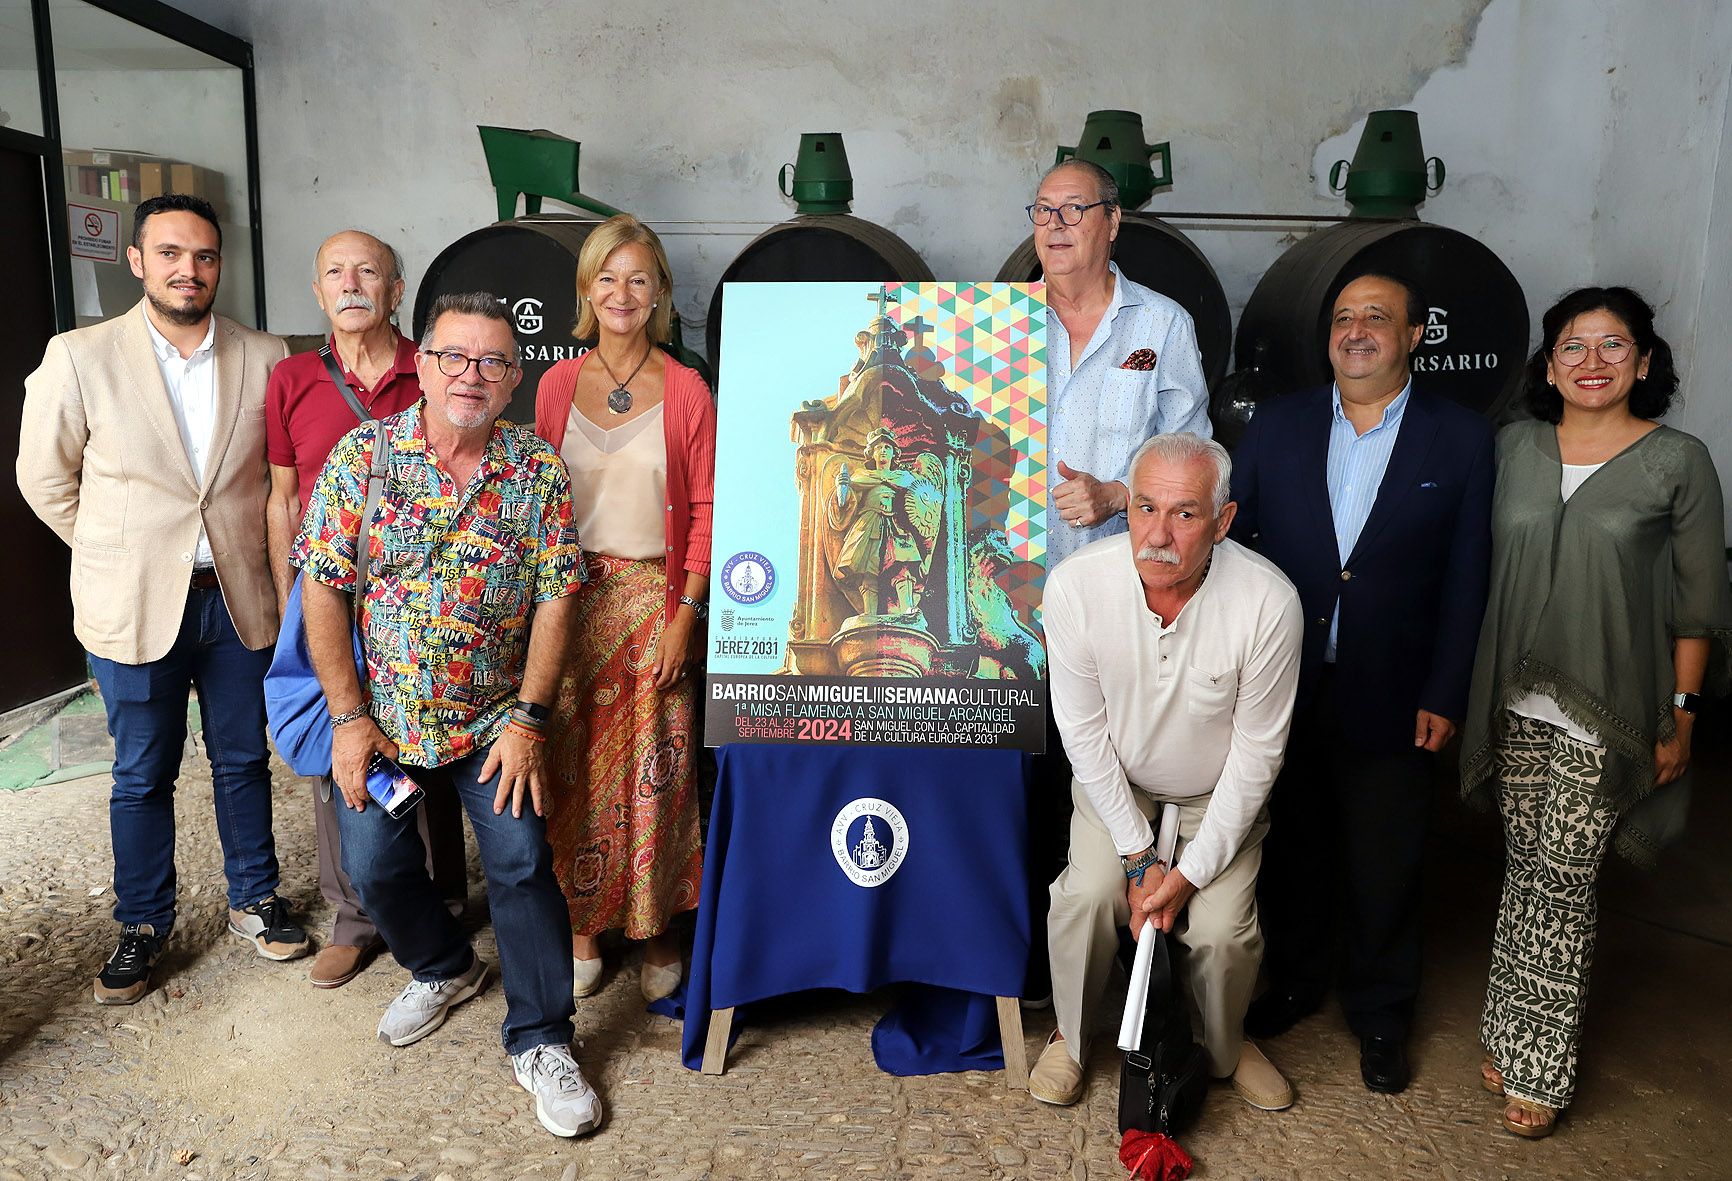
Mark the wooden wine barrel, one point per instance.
(824, 248)
(531, 264)
(1476, 333)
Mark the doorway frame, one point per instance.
(176, 26)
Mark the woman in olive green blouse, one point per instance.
(1609, 611)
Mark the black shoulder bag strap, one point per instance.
(376, 473)
(375, 490)
(336, 373)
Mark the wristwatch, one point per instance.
(1136, 868)
(698, 606)
(1690, 703)
(535, 712)
(1128, 861)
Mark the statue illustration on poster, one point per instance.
(919, 490)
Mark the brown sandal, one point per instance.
(1490, 1077)
(1530, 1131)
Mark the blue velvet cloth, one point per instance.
(779, 914)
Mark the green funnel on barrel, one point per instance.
(1389, 175)
(536, 164)
(822, 182)
(1114, 140)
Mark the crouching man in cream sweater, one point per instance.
(1175, 659)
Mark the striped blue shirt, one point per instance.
(1356, 466)
(1099, 412)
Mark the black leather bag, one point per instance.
(1162, 1082)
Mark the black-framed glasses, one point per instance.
(1574, 352)
(455, 364)
(1068, 214)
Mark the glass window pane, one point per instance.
(142, 114)
(20, 93)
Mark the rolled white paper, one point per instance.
(1137, 994)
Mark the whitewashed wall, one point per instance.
(1586, 140)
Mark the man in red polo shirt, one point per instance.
(358, 281)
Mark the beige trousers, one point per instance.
(1223, 946)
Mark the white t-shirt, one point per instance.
(1541, 706)
(1179, 709)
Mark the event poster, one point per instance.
(879, 547)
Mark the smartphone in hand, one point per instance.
(390, 787)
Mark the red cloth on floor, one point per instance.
(1154, 1156)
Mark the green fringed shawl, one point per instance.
(1586, 599)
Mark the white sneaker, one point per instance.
(421, 1008)
(564, 1103)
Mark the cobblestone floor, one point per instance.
(235, 1068)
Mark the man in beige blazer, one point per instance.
(143, 447)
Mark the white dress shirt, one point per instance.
(1099, 413)
(1180, 709)
(191, 383)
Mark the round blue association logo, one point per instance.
(748, 577)
(869, 839)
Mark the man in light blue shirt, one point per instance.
(1122, 361)
(1354, 473)
(1122, 366)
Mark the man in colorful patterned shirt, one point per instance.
(472, 559)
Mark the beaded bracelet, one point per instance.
(512, 727)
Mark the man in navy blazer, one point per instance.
(1374, 498)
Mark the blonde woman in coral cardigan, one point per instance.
(638, 432)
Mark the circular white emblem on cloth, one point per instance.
(870, 840)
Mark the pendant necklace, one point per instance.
(619, 400)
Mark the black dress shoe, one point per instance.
(1383, 1064)
(1277, 1011)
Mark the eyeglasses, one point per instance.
(455, 364)
(1068, 215)
(1573, 352)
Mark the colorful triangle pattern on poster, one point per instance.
(990, 338)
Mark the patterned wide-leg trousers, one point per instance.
(1556, 831)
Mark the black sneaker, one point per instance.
(126, 975)
(269, 928)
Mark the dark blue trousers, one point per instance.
(146, 706)
(387, 864)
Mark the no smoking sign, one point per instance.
(95, 233)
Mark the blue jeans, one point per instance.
(146, 705)
(387, 864)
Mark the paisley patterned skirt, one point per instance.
(623, 813)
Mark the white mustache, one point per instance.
(356, 300)
(1154, 553)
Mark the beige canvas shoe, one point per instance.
(1259, 1083)
(1056, 1077)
